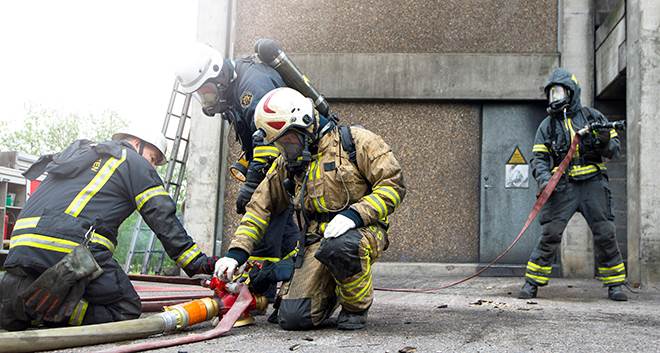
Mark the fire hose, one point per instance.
(230, 302)
(540, 201)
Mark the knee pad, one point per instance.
(604, 228)
(295, 314)
(553, 230)
(341, 255)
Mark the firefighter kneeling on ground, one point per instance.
(583, 187)
(60, 269)
(344, 183)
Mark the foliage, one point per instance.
(47, 131)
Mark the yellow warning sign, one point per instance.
(517, 157)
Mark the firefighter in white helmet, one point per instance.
(60, 269)
(345, 182)
(232, 89)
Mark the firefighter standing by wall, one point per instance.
(583, 188)
(344, 198)
(89, 191)
(233, 89)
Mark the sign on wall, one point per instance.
(516, 171)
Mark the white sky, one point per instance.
(86, 56)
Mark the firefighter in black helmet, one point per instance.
(583, 187)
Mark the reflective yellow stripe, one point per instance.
(99, 180)
(42, 242)
(390, 193)
(378, 204)
(272, 167)
(254, 219)
(292, 253)
(23, 223)
(613, 279)
(613, 134)
(99, 239)
(146, 195)
(540, 148)
(577, 170)
(539, 279)
(537, 268)
(569, 126)
(188, 256)
(249, 231)
(78, 314)
(265, 152)
(259, 160)
(322, 227)
(262, 258)
(618, 268)
(354, 283)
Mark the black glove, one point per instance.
(604, 136)
(208, 267)
(244, 196)
(53, 295)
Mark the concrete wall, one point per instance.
(643, 90)
(424, 46)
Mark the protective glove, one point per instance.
(339, 225)
(53, 295)
(225, 268)
(604, 136)
(244, 196)
(208, 267)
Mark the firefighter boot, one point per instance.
(528, 291)
(616, 293)
(352, 321)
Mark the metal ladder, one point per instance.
(176, 168)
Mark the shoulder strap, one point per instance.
(347, 143)
(586, 112)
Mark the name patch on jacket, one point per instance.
(96, 165)
(246, 99)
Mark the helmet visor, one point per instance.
(291, 146)
(207, 95)
(557, 93)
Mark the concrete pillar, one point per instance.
(576, 45)
(642, 106)
(205, 172)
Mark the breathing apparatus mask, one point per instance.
(559, 99)
(295, 149)
(213, 95)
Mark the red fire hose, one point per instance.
(540, 201)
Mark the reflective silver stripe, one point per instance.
(24, 223)
(99, 239)
(146, 195)
(55, 244)
(42, 242)
(188, 256)
(99, 180)
(278, 60)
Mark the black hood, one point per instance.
(563, 77)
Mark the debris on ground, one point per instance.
(408, 349)
(531, 302)
(442, 306)
(295, 347)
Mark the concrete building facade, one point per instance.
(455, 88)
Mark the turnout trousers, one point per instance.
(593, 199)
(335, 271)
(110, 297)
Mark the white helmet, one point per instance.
(282, 109)
(203, 63)
(147, 134)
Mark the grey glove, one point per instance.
(53, 295)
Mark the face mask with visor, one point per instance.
(559, 99)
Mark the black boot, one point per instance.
(528, 291)
(352, 321)
(616, 293)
